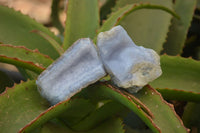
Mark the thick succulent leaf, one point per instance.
(147, 27)
(147, 104)
(24, 58)
(79, 110)
(162, 111)
(82, 20)
(134, 122)
(19, 105)
(65, 107)
(29, 73)
(113, 125)
(5, 81)
(21, 63)
(16, 30)
(179, 28)
(110, 108)
(25, 54)
(180, 76)
(116, 17)
(50, 127)
(179, 94)
(110, 126)
(53, 42)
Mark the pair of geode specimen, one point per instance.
(129, 66)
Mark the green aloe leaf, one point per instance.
(110, 126)
(180, 76)
(54, 127)
(28, 73)
(109, 109)
(147, 104)
(113, 125)
(179, 28)
(24, 58)
(20, 63)
(79, 110)
(53, 42)
(25, 54)
(179, 94)
(162, 111)
(82, 20)
(65, 108)
(16, 30)
(118, 16)
(148, 28)
(19, 105)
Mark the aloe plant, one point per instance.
(162, 25)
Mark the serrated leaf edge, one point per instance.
(13, 87)
(23, 130)
(30, 65)
(29, 50)
(139, 104)
(170, 105)
(33, 19)
(139, 108)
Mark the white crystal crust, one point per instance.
(129, 65)
(78, 67)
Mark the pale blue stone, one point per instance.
(78, 67)
(130, 66)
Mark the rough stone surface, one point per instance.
(130, 66)
(78, 67)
